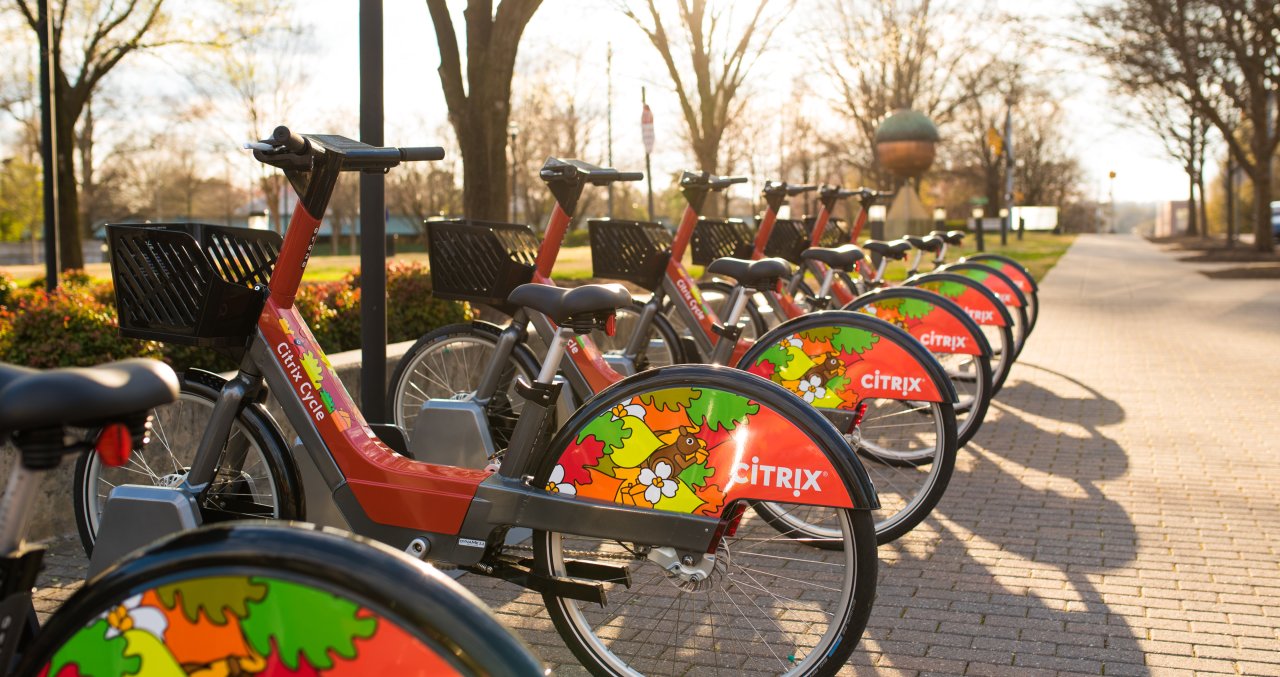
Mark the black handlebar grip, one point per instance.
(628, 176)
(735, 179)
(422, 154)
(290, 141)
(796, 190)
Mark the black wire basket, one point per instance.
(634, 251)
(718, 238)
(480, 261)
(788, 239)
(190, 283)
(834, 235)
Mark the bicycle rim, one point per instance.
(744, 617)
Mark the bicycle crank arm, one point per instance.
(502, 501)
(585, 582)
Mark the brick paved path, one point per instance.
(1116, 515)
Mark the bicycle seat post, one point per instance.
(555, 354)
(915, 263)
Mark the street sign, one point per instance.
(979, 200)
(995, 141)
(646, 129)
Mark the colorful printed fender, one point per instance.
(979, 306)
(1011, 270)
(939, 330)
(836, 366)
(989, 278)
(695, 450)
(241, 625)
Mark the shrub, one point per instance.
(7, 288)
(411, 308)
(68, 328)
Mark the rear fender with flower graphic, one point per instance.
(268, 599)
(941, 325)
(999, 283)
(836, 359)
(695, 439)
(1014, 270)
(978, 302)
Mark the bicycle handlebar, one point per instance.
(422, 154)
(289, 141)
(797, 190)
(289, 150)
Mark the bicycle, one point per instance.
(953, 338)
(226, 599)
(819, 361)
(622, 507)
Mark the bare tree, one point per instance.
(91, 38)
(555, 118)
(1220, 57)
(930, 56)
(704, 44)
(480, 104)
(254, 72)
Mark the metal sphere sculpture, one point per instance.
(906, 143)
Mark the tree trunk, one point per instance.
(1192, 214)
(1263, 240)
(484, 166)
(1204, 203)
(70, 252)
(1230, 184)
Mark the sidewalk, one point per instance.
(1116, 515)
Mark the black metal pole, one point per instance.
(48, 142)
(373, 264)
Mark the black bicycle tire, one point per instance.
(412, 594)
(258, 424)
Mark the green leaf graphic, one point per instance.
(696, 475)
(853, 340)
(215, 596)
(305, 622)
(93, 654)
(916, 308)
(819, 334)
(607, 429)
(720, 409)
(670, 399)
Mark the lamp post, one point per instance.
(513, 131)
(977, 228)
(48, 144)
(940, 218)
(1004, 226)
(875, 218)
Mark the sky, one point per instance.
(565, 27)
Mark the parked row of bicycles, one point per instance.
(699, 478)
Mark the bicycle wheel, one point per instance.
(1019, 274)
(951, 336)
(757, 602)
(450, 362)
(985, 309)
(1006, 290)
(274, 599)
(837, 361)
(256, 477)
(662, 344)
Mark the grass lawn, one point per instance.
(1038, 252)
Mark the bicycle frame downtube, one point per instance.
(231, 399)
